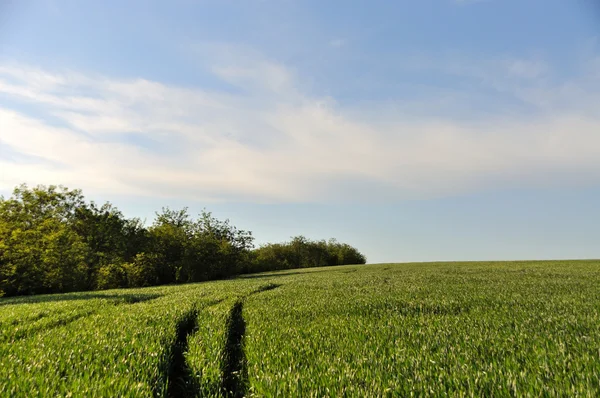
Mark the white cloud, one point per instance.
(527, 69)
(337, 42)
(272, 142)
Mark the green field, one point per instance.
(435, 329)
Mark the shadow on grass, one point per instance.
(181, 380)
(265, 288)
(235, 368)
(128, 298)
(284, 273)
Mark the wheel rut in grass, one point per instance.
(265, 288)
(21, 334)
(181, 382)
(65, 319)
(139, 298)
(234, 371)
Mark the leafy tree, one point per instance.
(146, 269)
(221, 246)
(301, 252)
(169, 239)
(39, 252)
(196, 250)
(52, 240)
(29, 206)
(103, 230)
(273, 256)
(112, 276)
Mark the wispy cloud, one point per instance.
(273, 142)
(338, 42)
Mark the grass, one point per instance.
(205, 356)
(118, 351)
(458, 329)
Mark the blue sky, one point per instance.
(430, 130)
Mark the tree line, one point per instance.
(52, 240)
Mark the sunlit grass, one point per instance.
(473, 329)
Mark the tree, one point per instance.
(52, 240)
(103, 230)
(39, 252)
(169, 238)
(223, 247)
(301, 252)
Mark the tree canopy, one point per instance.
(52, 240)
